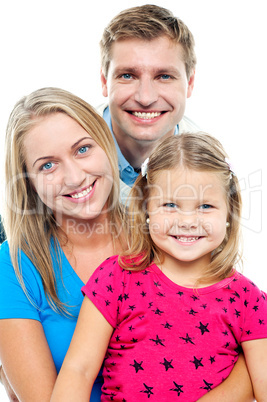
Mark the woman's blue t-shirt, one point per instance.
(15, 304)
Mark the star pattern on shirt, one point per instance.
(196, 312)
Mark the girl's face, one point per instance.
(188, 214)
(69, 171)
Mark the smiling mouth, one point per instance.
(184, 239)
(82, 193)
(146, 115)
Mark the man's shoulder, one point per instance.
(100, 108)
(187, 125)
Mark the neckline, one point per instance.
(203, 290)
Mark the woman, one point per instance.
(62, 220)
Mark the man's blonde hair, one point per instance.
(147, 22)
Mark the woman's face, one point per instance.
(69, 171)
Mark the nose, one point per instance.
(188, 221)
(146, 92)
(74, 176)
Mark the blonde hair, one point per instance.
(147, 22)
(28, 223)
(199, 152)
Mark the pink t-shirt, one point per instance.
(170, 342)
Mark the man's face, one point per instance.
(147, 88)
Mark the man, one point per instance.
(147, 72)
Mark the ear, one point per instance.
(104, 84)
(191, 83)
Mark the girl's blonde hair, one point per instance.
(28, 223)
(199, 152)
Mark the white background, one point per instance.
(55, 43)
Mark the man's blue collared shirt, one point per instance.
(127, 173)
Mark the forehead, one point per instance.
(187, 184)
(137, 52)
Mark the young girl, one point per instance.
(172, 312)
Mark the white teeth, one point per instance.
(146, 116)
(82, 193)
(187, 239)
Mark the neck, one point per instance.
(136, 152)
(82, 232)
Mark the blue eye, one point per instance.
(127, 76)
(170, 205)
(47, 166)
(205, 206)
(166, 76)
(83, 150)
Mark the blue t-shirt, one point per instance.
(15, 304)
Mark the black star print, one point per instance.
(237, 313)
(167, 325)
(194, 297)
(219, 300)
(131, 328)
(208, 386)
(158, 341)
(145, 272)
(261, 322)
(225, 333)
(187, 339)
(138, 283)
(204, 306)
(212, 359)
(148, 390)
(137, 366)
(143, 294)
(248, 332)
(180, 293)
(161, 294)
(232, 300)
(158, 311)
(157, 284)
(167, 364)
(132, 307)
(110, 288)
(192, 312)
(197, 362)
(150, 304)
(126, 296)
(225, 309)
(256, 308)
(203, 328)
(118, 338)
(236, 294)
(246, 289)
(107, 302)
(120, 298)
(111, 274)
(134, 340)
(96, 280)
(178, 388)
(94, 293)
(246, 303)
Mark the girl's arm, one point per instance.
(256, 357)
(236, 387)
(84, 357)
(27, 359)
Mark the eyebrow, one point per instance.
(158, 71)
(42, 158)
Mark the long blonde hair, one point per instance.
(200, 152)
(28, 223)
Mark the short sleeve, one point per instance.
(255, 307)
(104, 289)
(14, 302)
